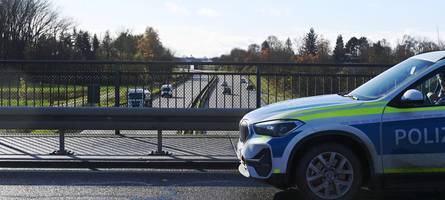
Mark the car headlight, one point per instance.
(276, 128)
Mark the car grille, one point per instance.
(244, 131)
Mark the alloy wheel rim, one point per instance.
(329, 175)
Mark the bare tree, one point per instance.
(24, 22)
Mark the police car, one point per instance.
(390, 130)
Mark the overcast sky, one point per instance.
(213, 27)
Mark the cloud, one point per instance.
(209, 12)
(175, 8)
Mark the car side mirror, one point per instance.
(413, 96)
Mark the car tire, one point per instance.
(329, 171)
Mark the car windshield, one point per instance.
(390, 79)
(165, 89)
(135, 96)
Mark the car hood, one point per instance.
(298, 106)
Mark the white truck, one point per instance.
(138, 98)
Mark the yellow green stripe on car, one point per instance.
(343, 113)
(419, 109)
(413, 170)
(337, 111)
(378, 103)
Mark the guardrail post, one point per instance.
(258, 86)
(117, 93)
(159, 140)
(62, 150)
(160, 152)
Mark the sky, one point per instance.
(208, 28)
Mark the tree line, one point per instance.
(313, 48)
(32, 29)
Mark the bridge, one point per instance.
(75, 113)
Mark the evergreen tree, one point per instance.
(339, 51)
(106, 46)
(65, 47)
(310, 44)
(82, 45)
(288, 47)
(95, 47)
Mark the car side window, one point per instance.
(433, 89)
(430, 85)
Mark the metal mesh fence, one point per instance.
(74, 84)
(209, 85)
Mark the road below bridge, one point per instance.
(155, 184)
(183, 95)
(240, 97)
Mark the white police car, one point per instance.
(329, 146)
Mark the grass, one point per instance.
(269, 92)
(45, 95)
(38, 94)
(44, 132)
(23, 93)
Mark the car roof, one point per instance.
(431, 56)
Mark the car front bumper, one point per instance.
(256, 160)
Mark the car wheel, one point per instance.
(329, 171)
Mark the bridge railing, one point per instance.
(82, 107)
(107, 83)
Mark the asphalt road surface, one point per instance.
(240, 97)
(153, 185)
(183, 94)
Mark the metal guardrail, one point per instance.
(120, 118)
(204, 92)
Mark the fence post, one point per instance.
(258, 86)
(160, 152)
(117, 93)
(62, 150)
(159, 141)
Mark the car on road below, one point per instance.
(224, 83)
(243, 80)
(250, 87)
(138, 98)
(390, 129)
(227, 91)
(167, 91)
